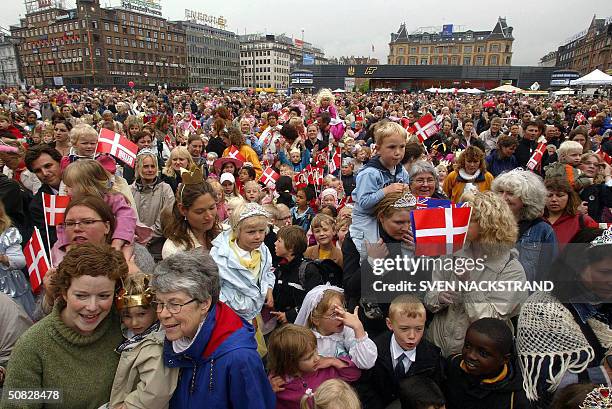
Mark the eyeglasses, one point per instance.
(420, 181)
(171, 307)
(71, 224)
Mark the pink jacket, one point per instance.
(295, 388)
(125, 221)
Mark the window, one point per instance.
(479, 60)
(454, 60)
(94, 24)
(98, 53)
(109, 40)
(412, 61)
(132, 30)
(413, 50)
(467, 48)
(494, 48)
(163, 36)
(480, 49)
(467, 60)
(107, 26)
(117, 41)
(126, 43)
(115, 28)
(423, 61)
(508, 60)
(493, 60)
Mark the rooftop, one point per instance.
(501, 31)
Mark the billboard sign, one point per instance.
(204, 18)
(447, 30)
(308, 59)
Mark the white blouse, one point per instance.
(363, 352)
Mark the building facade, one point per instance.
(91, 46)
(588, 50)
(549, 60)
(9, 65)
(446, 47)
(267, 60)
(352, 60)
(213, 56)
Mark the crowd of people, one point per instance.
(226, 268)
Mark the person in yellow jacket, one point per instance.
(236, 139)
(470, 174)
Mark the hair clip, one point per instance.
(407, 200)
(604, 239)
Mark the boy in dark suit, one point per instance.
(402, 352)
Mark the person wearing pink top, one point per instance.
(296, 369)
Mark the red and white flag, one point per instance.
(440, 231)
(55, 207)
(334, 163)
(580, 118)
(604, 156)
(425, 127)
(36, 260)
(234, 153)
(536, 158)
(117, 145)
(269, 177)
(315, 175)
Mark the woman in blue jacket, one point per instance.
(214, 348)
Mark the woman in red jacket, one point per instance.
(562, 211)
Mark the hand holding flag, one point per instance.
(425, 127)
(118, 146)
(36, 260)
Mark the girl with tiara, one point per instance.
(245, 264)
(141, 380)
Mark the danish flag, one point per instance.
(55, 207)
(425, 127)
(234, 153)
(580, 118)
(117, 145)
(269, 177)
(430, 203)
(36, 260)
(536, 158)
(440, 231)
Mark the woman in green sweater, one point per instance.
(72, 350)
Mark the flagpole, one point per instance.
(48, 239)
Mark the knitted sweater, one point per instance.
(50, 355)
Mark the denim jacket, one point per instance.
(537, 246)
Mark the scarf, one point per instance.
(469, 178)
(253, 265)
(130, 343)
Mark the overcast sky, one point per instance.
(351, 27)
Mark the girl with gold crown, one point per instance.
(141, 380)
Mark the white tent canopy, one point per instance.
(565, 91)
(506, 88)
(338, 91)
(596, 77)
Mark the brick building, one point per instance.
(589, 49)
(91, 46)
(431, 46)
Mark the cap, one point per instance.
(227, 177)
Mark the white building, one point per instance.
(9, 71)
(267, 60)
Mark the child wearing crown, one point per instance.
(141, 380)
(245, 264)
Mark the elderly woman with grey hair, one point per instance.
(525, 193)
(212, 346)
(424, 180)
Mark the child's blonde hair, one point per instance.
(87, 177)
(323, 219)
(332, 394)
(326, 302)
(251, 183)
(237, 218)
(325, 93)
(287, 346)
(5, 220)
(386, 129)
(406, 305)
(217, 188)
(81, 130)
